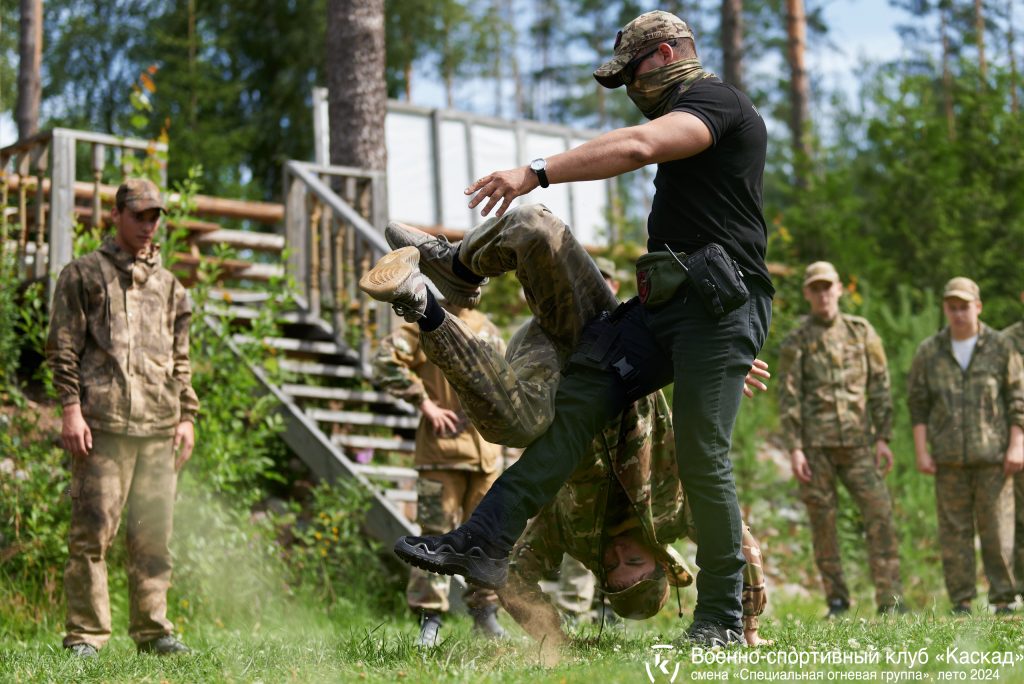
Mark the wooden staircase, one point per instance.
(314, 246)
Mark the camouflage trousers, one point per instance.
(444, 498)
(576, 587)
(134, 475)
(979, 496)
(510, 399)
(855, 467)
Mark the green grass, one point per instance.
(307, 646)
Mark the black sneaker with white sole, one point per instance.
(708, 634)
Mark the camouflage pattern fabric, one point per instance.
(118, 343)
(576, 587)
(443, 500)
(135, 475)
(755, 596)
(968, 413)
(402, 369)
(855, 467)
(968, 497)
(834, 385)
(1015, 333)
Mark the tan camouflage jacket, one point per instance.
(641, 450)
(1015, 333)
(968, 413)
(119, 343)
(834, 385)
(402, 369)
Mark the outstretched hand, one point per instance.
(501, 186)
(751, 382)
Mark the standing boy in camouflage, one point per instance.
(836, 415)
(1016, 335)
(456, 465)
(966, 397)
(119, 350)
(511, 399)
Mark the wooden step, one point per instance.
(362, 418)
(326, 370)
(243, 239)
(376, 443)
(292, 344)
(400, 495)
(249, 313)
(232, 296)
(389, 473)
(344, 394)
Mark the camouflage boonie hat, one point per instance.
(820, 271)
(642, 600)
(962, 288)
(140, 194)
(646, 31)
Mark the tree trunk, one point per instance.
(732, 42)
(30, 49)
(979, 29)
(357, 89)
(947, 74)
(799, 88)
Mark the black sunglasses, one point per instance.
(629, 70)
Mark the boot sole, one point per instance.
(476, 567)
(389, 274)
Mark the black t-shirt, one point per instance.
(715, 196)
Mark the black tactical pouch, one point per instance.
(620, 342)
(716, 279)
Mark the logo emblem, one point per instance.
(643, 285)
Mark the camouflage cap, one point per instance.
(642, 600)
(962, 288)
(608, 268)
(140, 194)
(645, 31)
(820, 271)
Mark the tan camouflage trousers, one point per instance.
(510, 399)
(134, 475)
(576, 585)
(855, 467)
(982, 497)
(444, 498)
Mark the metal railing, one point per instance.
(334, 216)
(42, 171)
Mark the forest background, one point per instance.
(910, 177)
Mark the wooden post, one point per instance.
(314, 256)
(296, 226)
(40, 157)
(99, 154)
(62, 205)
(23, 166)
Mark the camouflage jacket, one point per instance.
(968, 413)
(119, 343)
(1015, 333)
(402, 369)
(834, 385)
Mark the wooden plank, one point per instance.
(377, 443)
(246, 239)
(322, 369)
(400, 495)
(390, 473)
(296, 345)
(363, 418)
(344, 394)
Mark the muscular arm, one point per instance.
(676, 135)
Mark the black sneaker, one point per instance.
(82, 650)
(1003, 609)
(837, 608)
(710, 634)
(454, 553)
(962, 608)
(485, 622)
(162, 646)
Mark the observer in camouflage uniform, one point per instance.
(455, 470)
(1015, 333)
(119, 346)
(968, 415)
(834, 405)
(511, 400)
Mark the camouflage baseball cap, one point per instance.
(820, 271)
(962, 288)
(642, 600)
(646, 31)
(140, 194)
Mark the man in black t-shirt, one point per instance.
(709, 143)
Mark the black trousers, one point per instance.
(707, 359)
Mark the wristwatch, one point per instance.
(540, 167)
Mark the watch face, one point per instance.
(538, 165)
